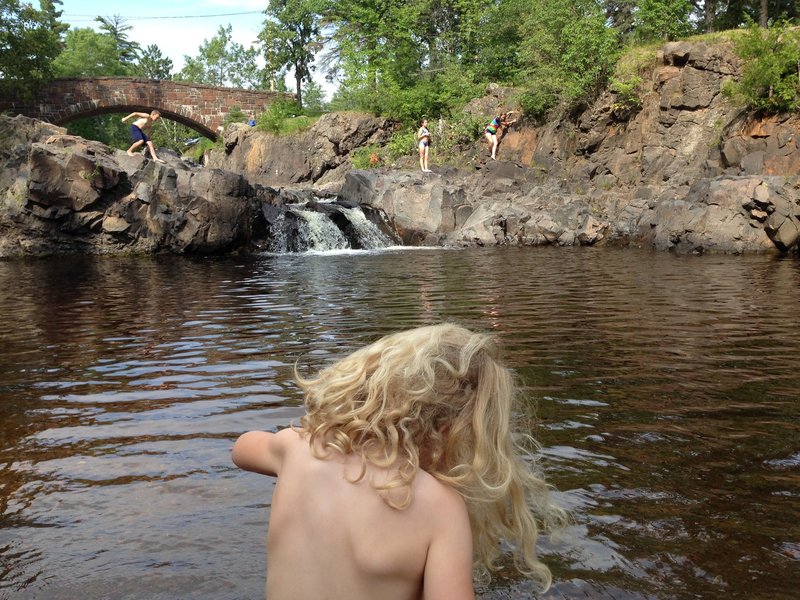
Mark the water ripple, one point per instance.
(665, 391)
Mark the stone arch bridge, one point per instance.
(200, 107)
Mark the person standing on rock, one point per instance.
(140, 129)
(424, 142)
(492, 130)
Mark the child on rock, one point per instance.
(403, 477)
(140, 130)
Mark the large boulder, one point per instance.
(62, 194)
(319, 156)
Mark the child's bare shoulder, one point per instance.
(438, 497)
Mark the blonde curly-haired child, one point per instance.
(404, 475)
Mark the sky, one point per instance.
(177, 27)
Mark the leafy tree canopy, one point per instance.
(153, 64)
(223, 62)
(291, 38)
(28, 44)
(89, 53)
(127, 50)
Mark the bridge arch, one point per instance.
(200, 107)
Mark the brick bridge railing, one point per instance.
(201, 107)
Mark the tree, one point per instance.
(291, 39)
(89, 54)
(730, 14)
(127, 51)
(223, 62)
(153, 64)
(28, 45)
(314, 98)
(366, 35)
(620, 15)
(568, 53)
(52, 15)
(663, 19)
(769, 80)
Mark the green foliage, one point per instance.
(283, 117)
(406, 59)
(197, 151)
(731, 14)
(291, 38)
(366, 157)
(459, 130)
(52, 15)
(28, 44)
(235, 115)
(663, 19)
(104, 128)
(127, 50)
(568, 53)
(89, 54)
(313, 98)
(501, 36)
(539, 99)
(223, 62)
(402, 143)
(153, 64)
(627, 82)
(770, 80)
(627, 93)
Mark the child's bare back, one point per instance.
(330, 538)
(404, 476)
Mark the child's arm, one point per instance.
(261, 451)
(134, 114)
(448, 567)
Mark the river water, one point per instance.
(667, 391)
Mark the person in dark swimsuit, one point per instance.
(424, 142)
(139, 130)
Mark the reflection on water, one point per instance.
(667, 391)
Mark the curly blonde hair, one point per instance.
(437, 398)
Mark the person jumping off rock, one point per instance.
(140, 129)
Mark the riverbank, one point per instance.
(685, 171)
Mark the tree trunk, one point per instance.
(710, 15)
(298, 79)
(763, 17)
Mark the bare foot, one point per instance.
(130, 153)
(158, 160)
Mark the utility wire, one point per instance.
(140, 18)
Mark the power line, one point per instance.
(140, 18)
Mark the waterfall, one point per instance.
(320, 225)
(369, 233)
(318, 232)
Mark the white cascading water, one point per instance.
(319, 232)
(370, 236)
(315, 231)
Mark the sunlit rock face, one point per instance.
(62, 194)
(683, 171)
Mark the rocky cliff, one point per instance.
(684, 171)
(61, 194)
